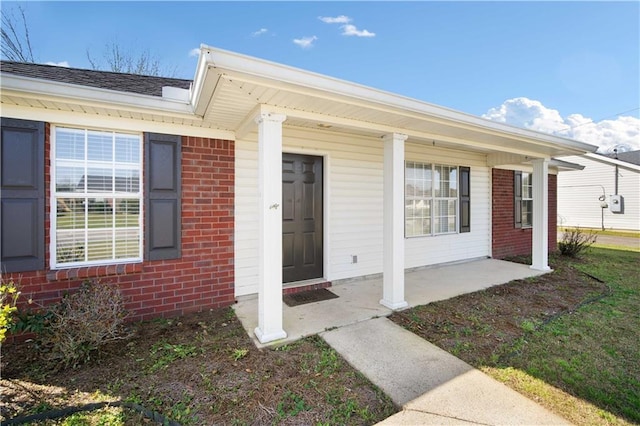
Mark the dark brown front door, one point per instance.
(301, 217)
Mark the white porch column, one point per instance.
(540, 183)
(270, 227)
(393, 223)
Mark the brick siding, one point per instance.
(202, 278)
(506, 239)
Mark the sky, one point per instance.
(568, 68)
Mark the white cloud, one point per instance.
(260, 32)
(305, 42)
(194, 52)
(347, 29)
(622, 132)
(342, 19)
(351, 30)
(64, 64)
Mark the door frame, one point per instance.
(326, 273)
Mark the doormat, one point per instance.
(308, 296)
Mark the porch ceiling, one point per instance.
(233, 88)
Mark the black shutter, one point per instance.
(22, 197)
(517, 198)
(465, 199)
(162, 196)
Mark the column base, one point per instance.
(269, 337)
(394, 306)
(540, 268)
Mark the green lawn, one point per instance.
(594, 352)
(569, 340)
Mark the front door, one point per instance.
(301, 217)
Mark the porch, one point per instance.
(359, 299)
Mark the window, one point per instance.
(523, 199)
(431, 199)
(527, 200)
(96, 197)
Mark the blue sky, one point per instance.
(551, 66)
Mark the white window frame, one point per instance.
(431, 200)
(86, 195)
(527, 198)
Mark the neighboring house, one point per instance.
(605, 195)
(257, 178)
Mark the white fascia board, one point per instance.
(260, 68)
(202, 87)
(39, 88)
(565, 165)
(608, 160)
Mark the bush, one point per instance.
(83, 322)
(575, 240)
(8, 297)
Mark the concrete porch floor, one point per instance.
(359, 299)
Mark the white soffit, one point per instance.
(237, 83)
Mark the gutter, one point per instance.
(40, 89)
(262, 69)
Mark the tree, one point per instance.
(16, 44)
(117, 59)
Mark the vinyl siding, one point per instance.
(353, 206)
(578, 192)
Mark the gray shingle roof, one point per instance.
(133, 83)
(632, 157)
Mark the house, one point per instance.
(258, 178)
(605, 195)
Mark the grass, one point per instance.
(197, 369)
(566, 340)
(615, 233)
(594, 353)
(579, 357)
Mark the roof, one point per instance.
(610, 160)
(132, 83)
(230, 90)
(632, 157)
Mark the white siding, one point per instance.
(578, 192)
(353, 206)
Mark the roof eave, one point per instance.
(562, 165)
(56, 91)
(604, 159)
(222, 60)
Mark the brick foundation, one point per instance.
(202, 278)
(506, 239)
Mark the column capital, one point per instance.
(273, 118)
(395, 136)
(539, 160)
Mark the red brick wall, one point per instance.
(203, 278)
(553, 213)
(506, 240)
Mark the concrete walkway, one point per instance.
(431, 385)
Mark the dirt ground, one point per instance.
(472, 326)
(203, 369)
(200, 369)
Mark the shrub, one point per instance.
(83, 322)
(8, 297)
(575, 240)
